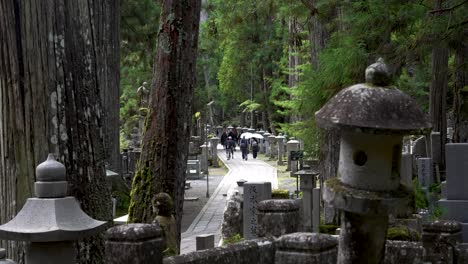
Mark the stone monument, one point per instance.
(254, 193)
(372, 118)
(52, 221)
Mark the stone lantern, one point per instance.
(3, 259)
(52, 221)
(292, 145)
(280, 143)
(266, 143)
(372, 119)
(272, 144)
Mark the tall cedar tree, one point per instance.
(56, 58)
(166, 138)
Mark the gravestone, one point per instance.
(272, 142)
(419, 147)
(204, 158)
(254, 193)
(291, 145)
(435, 147)
(316, 210)
(214, 151)
(406, 170)
(455, 206)
(425, 172)
(308, 182)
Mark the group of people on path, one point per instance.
(230, 139)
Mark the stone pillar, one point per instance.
(204, 241)
(52, 222)
(291, 145)
(3, 259)
(307, 184)
(406, 170)
(134, 243)
(455, 205)
(272, 144)
(316, 210)
(280, 143)
(254, 193)
(440, 239)
(306, 248)
(435, 147)
(277, 217)
(214, 151)
(204, 158)
(266, 141)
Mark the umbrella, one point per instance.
(255, 135)
(247, 135)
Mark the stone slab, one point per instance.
(456, 156)
(454, 209)
(443, 189)
(205, 241)
(254, 193)
(425, 172)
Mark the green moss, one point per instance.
(141, 195)
(328, 229)
(231, 240)
(402, 233)
(279, 194)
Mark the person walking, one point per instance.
(230, 145)
(244, 146)
(254, 148)
(224, 138)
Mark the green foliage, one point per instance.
(231, 240)
(402, 233)
(328, 229)
(280, 194)
(420, 199)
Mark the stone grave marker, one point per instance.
(425, 172)
(455, 206)
(254, 193)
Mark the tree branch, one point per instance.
(448, 9)
(311, 7)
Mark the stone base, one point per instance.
(454, 209)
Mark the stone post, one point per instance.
(254, 193)
(277, 217)
(291, 145)
(307, 184)
(3, 259)
(52, 222)
(214, 151)
(204, 158)
(134, 243)
(368, 188)
(271, 143)
(316, 210)
(435, 147)
(440, 239)
(261, 144)
(280, 140)
(306, 248)
(206, 241)
(266, 147)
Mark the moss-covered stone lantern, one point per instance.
(52, 221)
(372, 118)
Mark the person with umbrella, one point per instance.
(244, 148)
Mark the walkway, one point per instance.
(210, 218)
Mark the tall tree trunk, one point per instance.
(460, 94)
(438, 89)
(50, 82)
(165, 142)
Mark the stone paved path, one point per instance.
(210, 218)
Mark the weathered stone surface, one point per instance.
(373, 108)
(403, 252)
(232, 217)
(419, 148)
(3, 259)
(254, 193)
(456, 155)
(277, 217)
(134, 243)
(298, 248)
(205, 241)
(462, 253)
(440, 239)
(259, 251)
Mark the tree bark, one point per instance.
(163, 162)
(438, 89)
(460, 94)
(50, 82)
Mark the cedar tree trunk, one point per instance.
(50, 82)
(166, 138)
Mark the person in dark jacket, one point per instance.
(244, 147)
(254, 148)
(224, 137)
(230, 145)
